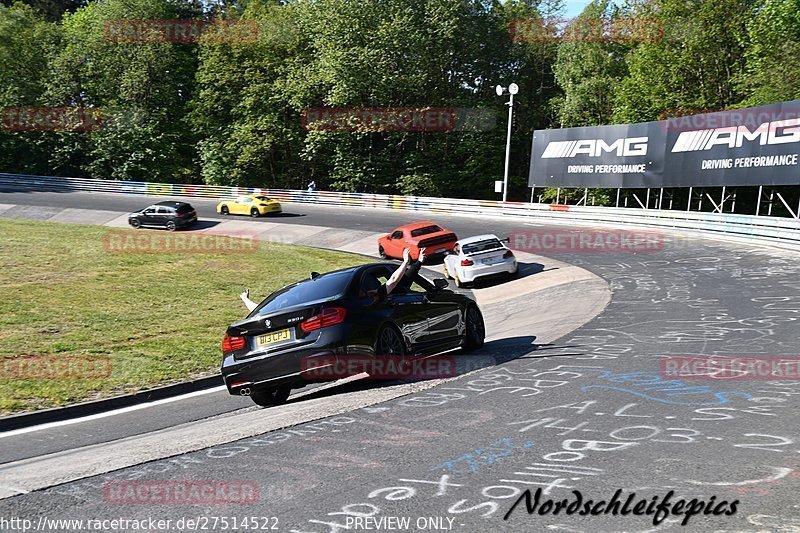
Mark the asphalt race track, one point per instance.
(585, 412)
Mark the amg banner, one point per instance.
(752, 146)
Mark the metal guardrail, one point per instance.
(780, 231)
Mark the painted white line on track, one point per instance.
(105, 414)
(155, 403)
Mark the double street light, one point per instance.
(512, 90)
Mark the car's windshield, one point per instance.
(425, 230)
(481, 246)
(322, 288)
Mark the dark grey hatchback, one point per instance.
(169, 215)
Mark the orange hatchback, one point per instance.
(436, 240)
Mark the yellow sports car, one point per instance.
(252, 204)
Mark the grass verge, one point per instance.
(152, 318)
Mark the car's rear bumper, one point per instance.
(508, 266)
(185, 222)
(287, 367)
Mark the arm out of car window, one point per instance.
(407, 267)
(250, 304)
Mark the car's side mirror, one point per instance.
(440, 283)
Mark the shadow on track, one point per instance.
(494, 353)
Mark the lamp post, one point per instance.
(512, 90)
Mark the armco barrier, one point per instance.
(784, 232)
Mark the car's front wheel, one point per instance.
(390, 342)
(381, 252)
(270, 397)
(135, 222)
(476, 329)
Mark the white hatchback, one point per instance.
(478, 257)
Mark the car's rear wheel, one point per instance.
(476, 329)
(171, 225)
(382, 252)
(270, 397)
(460, 284)
(135, 222)
(447, 272)
(224, 210)
(254, 212)
(390, 342)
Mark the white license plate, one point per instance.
(275, 336)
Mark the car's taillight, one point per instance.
(232, 342)
(467, 262)
(508, 255)
(328, 317)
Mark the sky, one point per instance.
(574, 7)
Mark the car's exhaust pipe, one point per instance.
(245, 391)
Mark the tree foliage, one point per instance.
(231, 112)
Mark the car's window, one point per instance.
(264, 198)
(372, 281)
(413, 287)
(397, 235)
(244, 200)
(418, 284)
(425, 230)
(149, 210)
(185, 208)
(324, 287)
(372, 276)
(482, 246)
(164, 210)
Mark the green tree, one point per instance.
(51, 10)
(142, 90)
(693, 66)
(773, 55)
(589, 67)
(27, 42)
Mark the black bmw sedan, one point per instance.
(336, 316)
